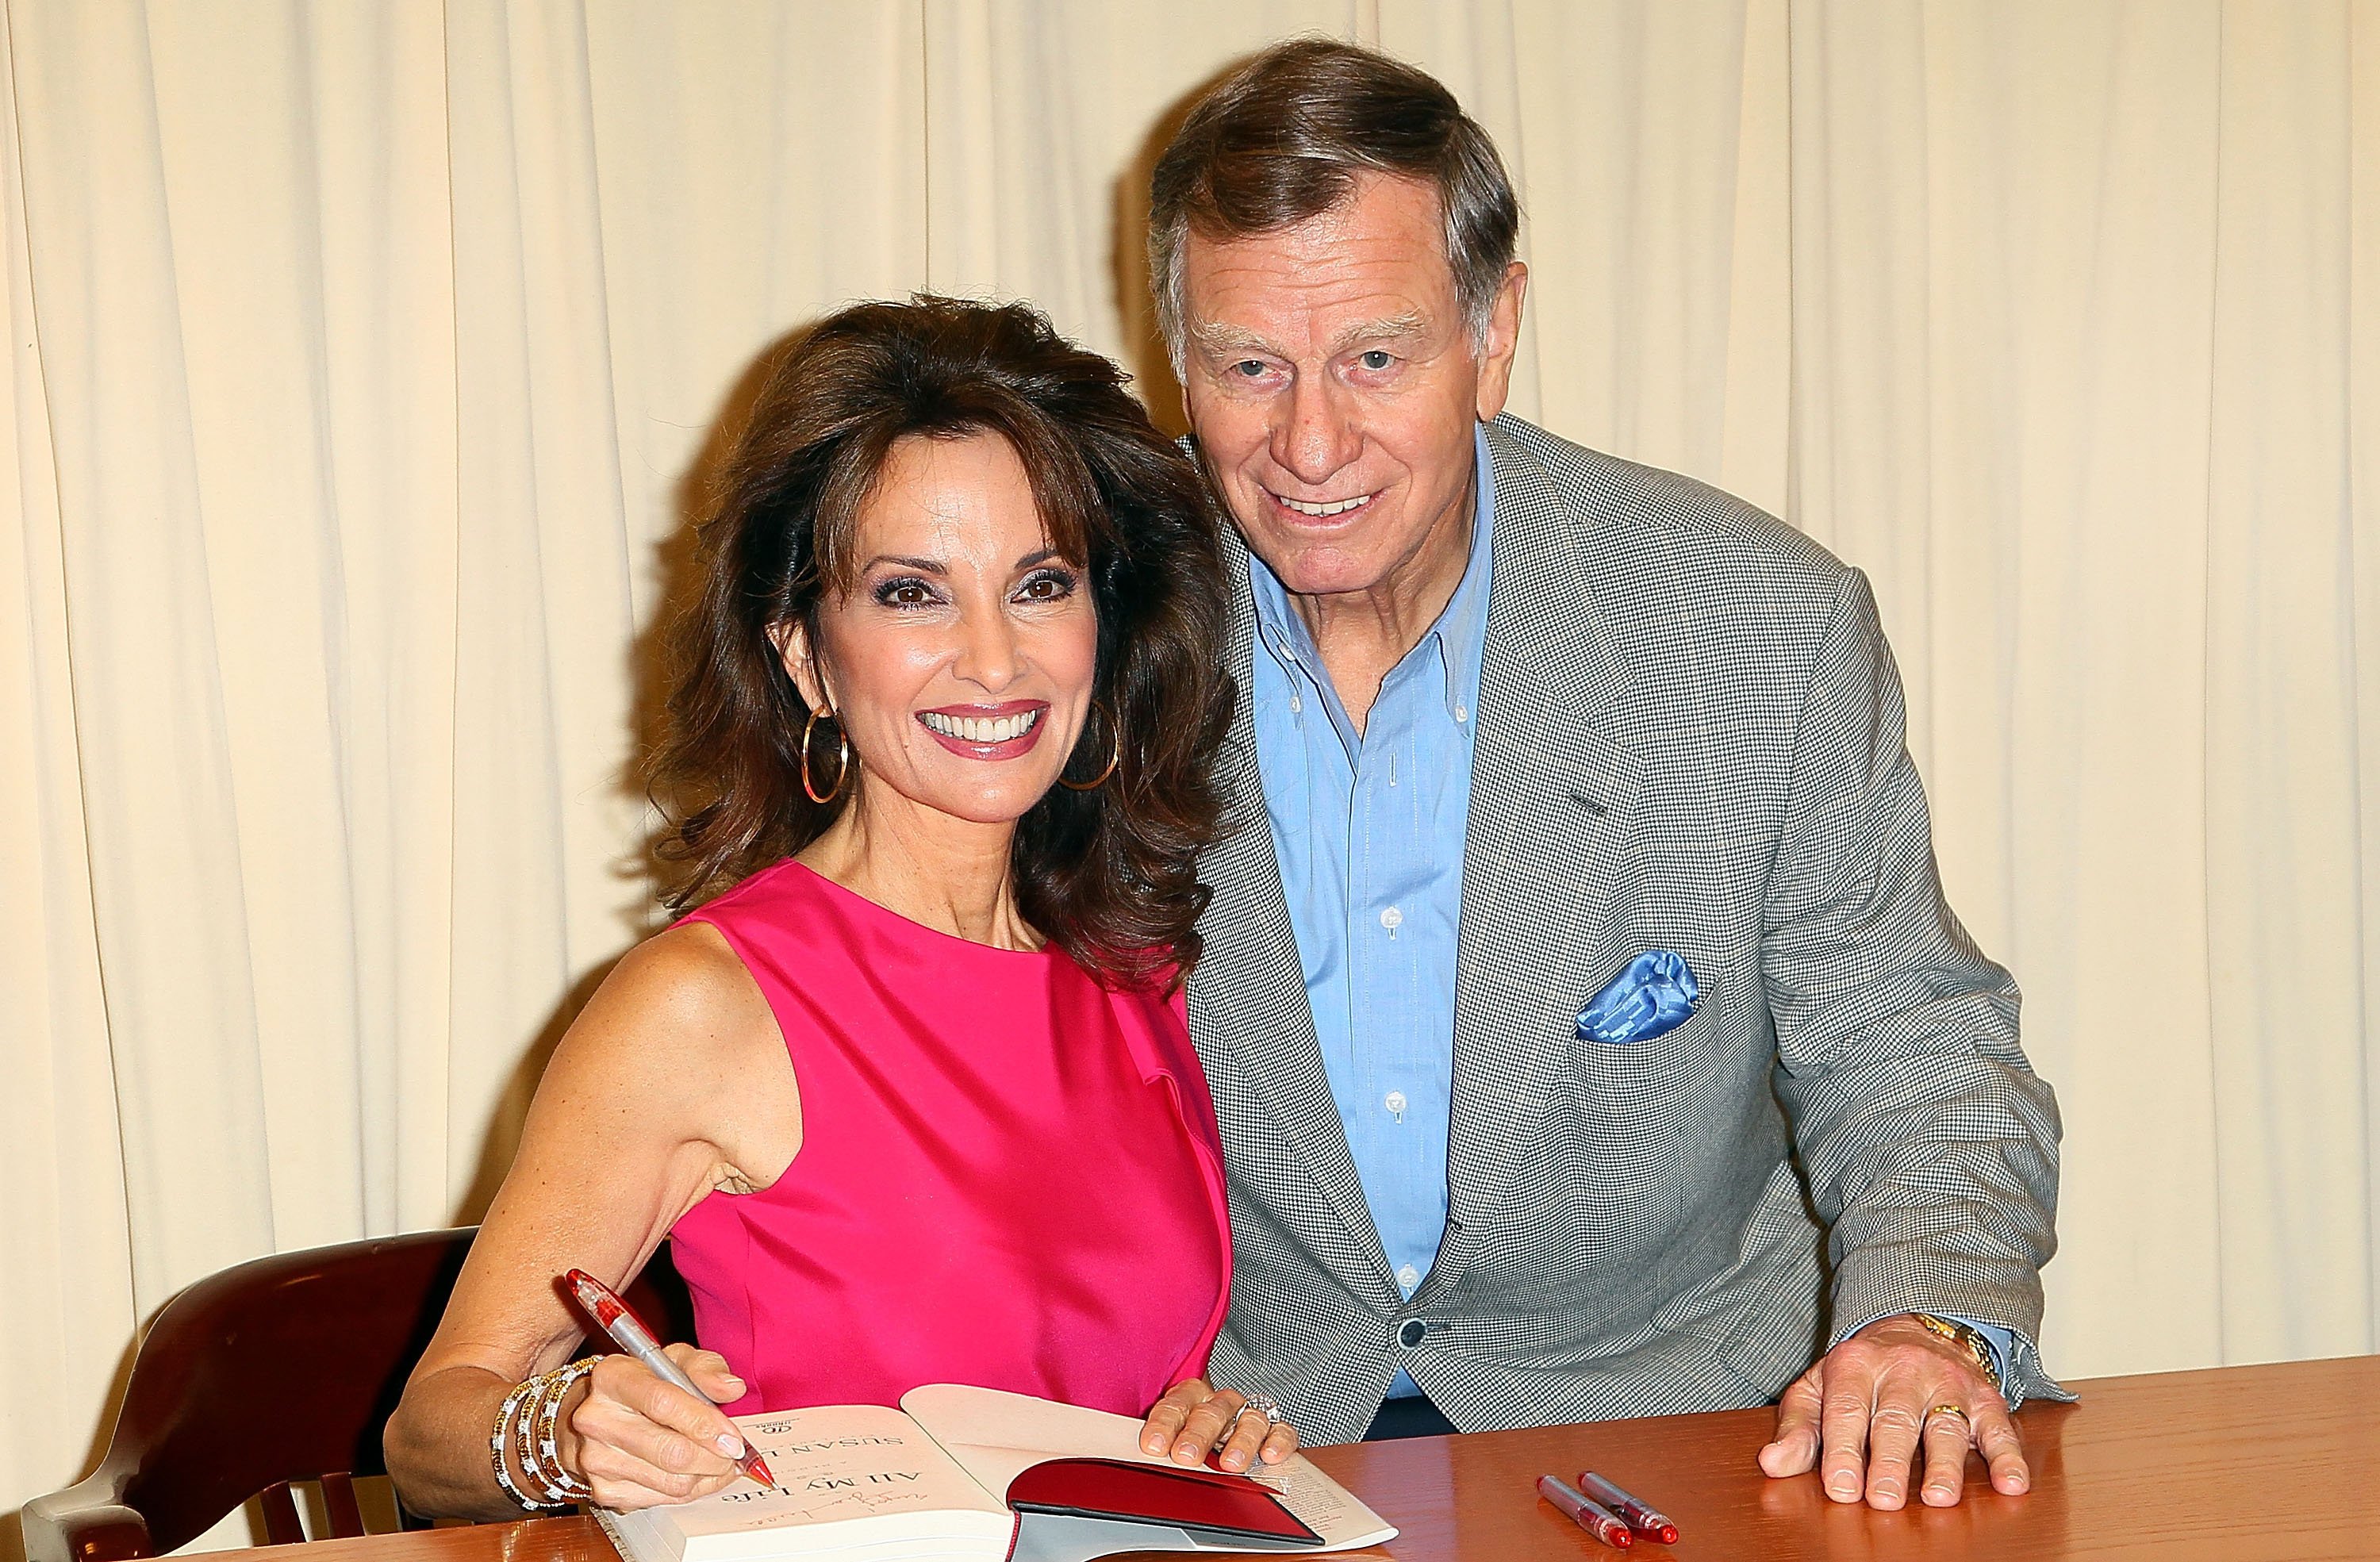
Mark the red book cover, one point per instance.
(1229, 1507)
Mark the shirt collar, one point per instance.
(1461, 627)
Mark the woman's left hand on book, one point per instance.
(1196, 1418)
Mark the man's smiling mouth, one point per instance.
(1324, 510)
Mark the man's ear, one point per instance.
(793, 643)
(1503, 341)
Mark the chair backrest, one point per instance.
(282, 1370)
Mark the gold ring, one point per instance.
(1951, 1409)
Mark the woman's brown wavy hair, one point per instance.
(1108, 874)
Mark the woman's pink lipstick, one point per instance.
(1003, 748)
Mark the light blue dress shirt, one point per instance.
(1368, 828)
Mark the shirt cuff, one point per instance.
(2002, 1342)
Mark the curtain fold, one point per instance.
(2004, 277)
(69, 1309)
(366, 362)
(2284, 887)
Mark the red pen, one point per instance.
(1642, 1517)
(1589, 1515)
(604, 1305)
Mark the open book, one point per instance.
(975, 1472)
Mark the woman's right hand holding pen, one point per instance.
(639, 1441)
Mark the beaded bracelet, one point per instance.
(539, 1480)
(546, 1466)
(501, 1434)
(525, 1446)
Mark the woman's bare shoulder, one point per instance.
(679, 1010)
(693, 971)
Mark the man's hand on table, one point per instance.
(1860, 1414)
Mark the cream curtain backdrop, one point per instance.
(363, 357)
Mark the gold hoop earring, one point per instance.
(843, 761)
(1115, 757)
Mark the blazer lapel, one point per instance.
(1249, 1013)
(1553, 814)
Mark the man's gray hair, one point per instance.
(1282, 139)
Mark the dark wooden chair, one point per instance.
(279, 1371)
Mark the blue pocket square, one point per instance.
(1654, 995)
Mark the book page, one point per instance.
(840, 1469)
(996, 1435)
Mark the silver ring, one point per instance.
(1263, 1405)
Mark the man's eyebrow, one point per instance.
(924, 567)
(1388, 329)
(1221, 340)
(1225, 340)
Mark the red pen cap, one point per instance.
(1639, 1515)
(602, 1303)
(1587, 1513)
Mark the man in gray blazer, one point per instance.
(1588, 1030)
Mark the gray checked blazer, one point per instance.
(1688, 738)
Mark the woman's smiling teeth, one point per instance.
(982, 729)
(1323, 512)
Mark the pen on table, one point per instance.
(603, 1304)
(1587, 1513)
(1641, 1516)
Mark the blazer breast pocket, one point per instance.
(1639, 1045)
(1632, 1077)
(1615, 1136)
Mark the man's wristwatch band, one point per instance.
(1969, 1340)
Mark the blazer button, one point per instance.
(1410, 1335)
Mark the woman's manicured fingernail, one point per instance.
(729, 1444)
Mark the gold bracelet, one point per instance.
(1971, 1340)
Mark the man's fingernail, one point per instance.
(1844, 1486)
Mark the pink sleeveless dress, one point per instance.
(1009, 1176)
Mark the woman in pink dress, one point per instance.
(908, 1088)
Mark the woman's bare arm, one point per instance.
(673, 1082)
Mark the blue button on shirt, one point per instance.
(1368, 830)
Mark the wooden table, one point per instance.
(2240, 1463)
